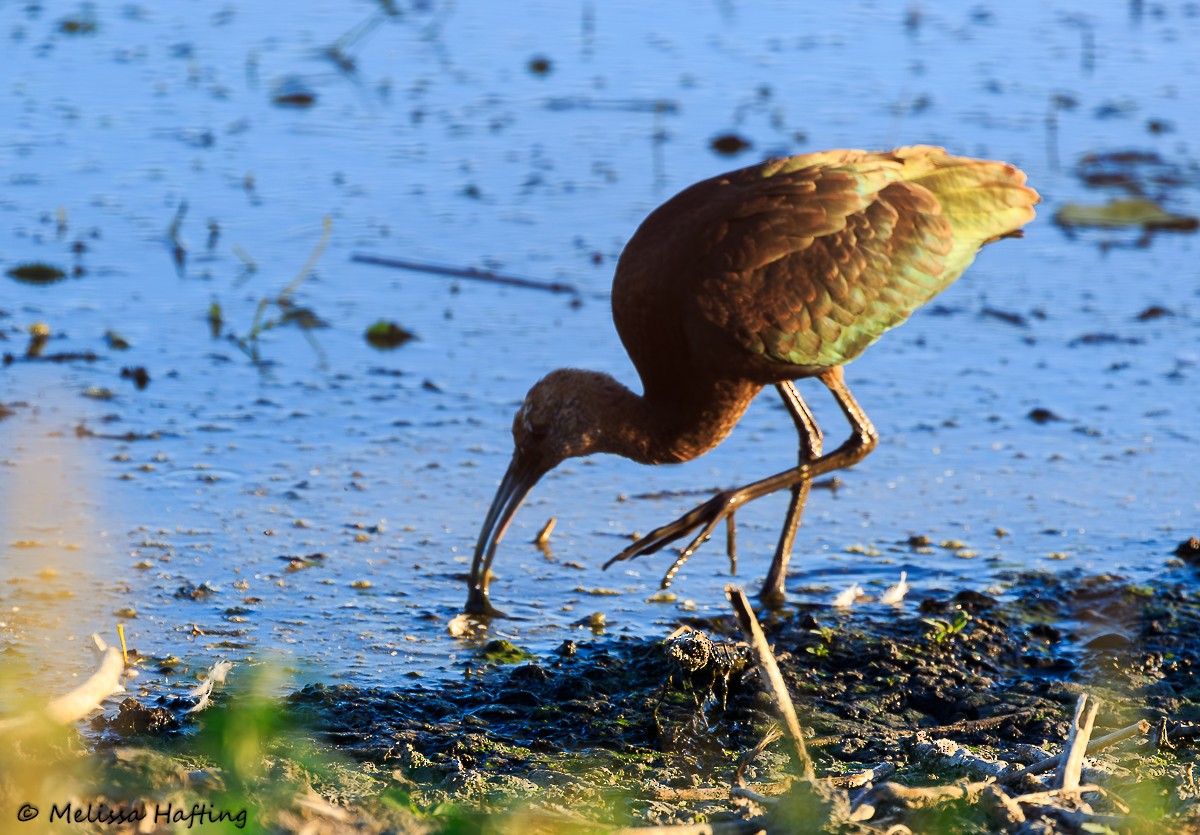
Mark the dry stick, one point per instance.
(861, 778)
(1140, 728)
(1052, 796)
(81, 701)
(465, 272)
(972, 725)
(743, 793)
(1071, 764)
(706, 793)
(769, 670)
(908, 797)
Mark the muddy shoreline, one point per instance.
(592, 737)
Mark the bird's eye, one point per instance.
(533, 428)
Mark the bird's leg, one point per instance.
(772, 592)
(810, 449)
(706, 516)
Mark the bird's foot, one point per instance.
(772, 598)
(479, 605)
(704, 518)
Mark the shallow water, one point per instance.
(440, 143)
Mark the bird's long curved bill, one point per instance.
(518, 480)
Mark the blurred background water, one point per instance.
(321, 505)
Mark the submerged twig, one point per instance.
(769, 670)
(465, 272)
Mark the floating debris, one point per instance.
(461, 626)
(138, 374)
(729, 144)
(37, 273)
(1103, 339)
(81, 25)
(203, 691)
(199, 592)
(846, 599)
(1137, 172)
(116, 341)
(387, 335)
(629, 105)
(1041, 415)
(893, 595)
(1004, 316)
(293, 92)
(1154, 311)
(540, 65)
(1123, 214)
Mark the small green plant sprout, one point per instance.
(943, 630)
(215, 321)
(289, 312)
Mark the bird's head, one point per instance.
(566, 414)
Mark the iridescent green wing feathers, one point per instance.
(827, 251)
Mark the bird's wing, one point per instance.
(828, 251)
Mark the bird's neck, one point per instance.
(672, 426)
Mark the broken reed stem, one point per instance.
(743, 793)
(1071, 764)
(543, 537)
(769, 670)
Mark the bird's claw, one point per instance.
(704, 517)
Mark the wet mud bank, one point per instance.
(924, 717)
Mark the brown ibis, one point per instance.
(763, 276)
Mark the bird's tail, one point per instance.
(984, 200)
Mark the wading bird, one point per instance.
(762, 276)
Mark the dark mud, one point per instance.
(583, 729)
